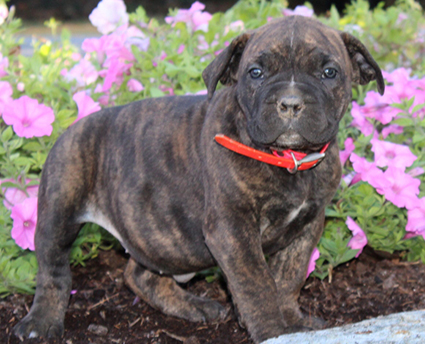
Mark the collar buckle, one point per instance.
(308, 158)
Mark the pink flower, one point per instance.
(398, 187)
(113, 74)
(83, 72)
(4, 12)
(235, 26)
(95, 45)
(104, 100)
(416, 219)
(113, 53)
(14, 196)
(360, 121)
(392, 154)
(351, 178)
(24, 216)
(200, 21)
(312, 263)
(349, 148)
(403, 87)
(417, 171)
(161, 57)
(180, 49)
(28, 117)
(392, 129)
(367, 171)
(4, 63)
(115, 49)
(108, 15)
(134, 85)
(378, 107)
(116, 45)
(401, 18)
(298, 11)
(402, 84)
(20, 87)
(86, 105)
(136, 37)
(76, 57)
(194, 18)
(6, 92)
(359, 239)
(164, 89)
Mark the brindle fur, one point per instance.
(181, 203)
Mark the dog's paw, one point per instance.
(307, 324)
(206, 310)
(297, 328)
(33, 326)
(314, 323)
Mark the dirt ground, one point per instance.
(104, 310)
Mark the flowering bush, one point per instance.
(383, 183)
(381, 199)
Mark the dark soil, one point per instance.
(103, 310)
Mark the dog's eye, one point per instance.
(329, 73)
(256, 73)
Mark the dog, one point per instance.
(190, 182)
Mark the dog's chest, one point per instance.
(280, 224)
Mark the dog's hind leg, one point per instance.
(163, 293)
(61, 196)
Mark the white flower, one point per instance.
(108, 15)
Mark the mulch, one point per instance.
(103, 310)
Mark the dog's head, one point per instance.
(293, 80)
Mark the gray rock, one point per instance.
(98, 329)
(399, 328)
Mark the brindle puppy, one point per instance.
(151, 173)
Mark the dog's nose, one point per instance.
(290, 105)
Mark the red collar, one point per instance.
(292, 160)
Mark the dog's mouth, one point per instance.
(293, 142)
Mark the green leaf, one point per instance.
(410, 102)
(9, 185)
(210, 279)
(156, 92)
(65, 35)
(33, 146)
(7, 134)
(418, 108)
(400, 106)
(329, 245)
(418, 137)
(348, 255)
(23, 161)
(404, 122)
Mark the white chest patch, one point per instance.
(265, 222)
(96, 216)
(184, 278)
(294, 213)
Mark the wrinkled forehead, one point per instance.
(294, 39)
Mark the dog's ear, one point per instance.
(225, 66)
(365, 69)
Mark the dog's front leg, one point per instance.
(289, 268)
(236, 247)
